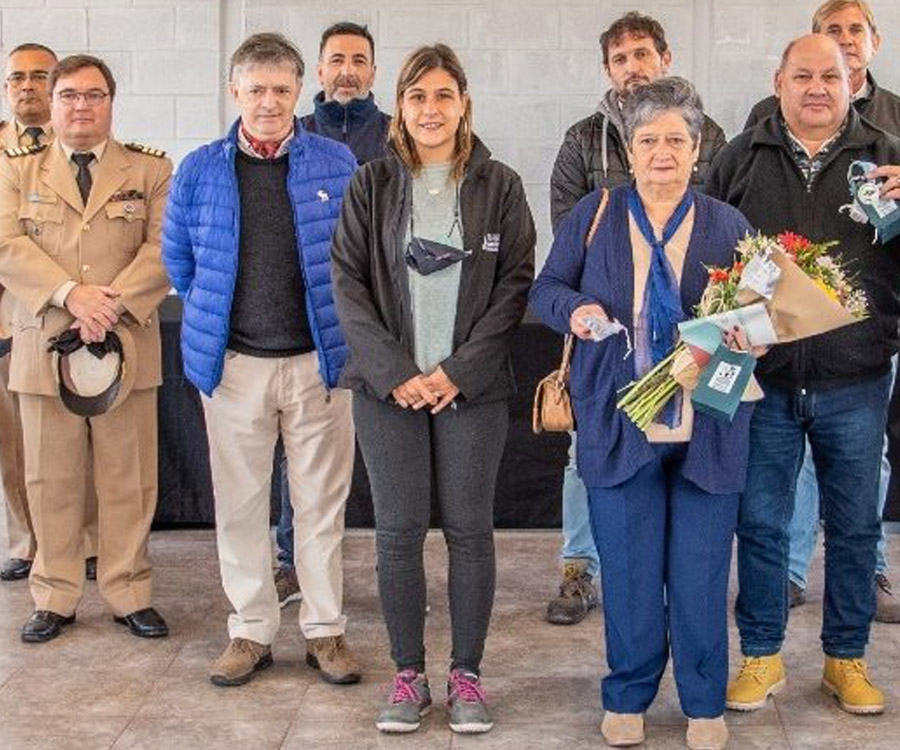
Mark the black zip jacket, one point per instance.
(881, 108)
(593, 156)
(757, 173)
(371, 290)
(358, 124)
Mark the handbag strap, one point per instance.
(604, 199)
(569, 341)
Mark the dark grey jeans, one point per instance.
(455, 454)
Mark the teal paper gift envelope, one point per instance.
(722, 383)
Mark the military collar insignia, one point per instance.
(126, 195)
(149, 150)
(24, 150)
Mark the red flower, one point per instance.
(793, 243)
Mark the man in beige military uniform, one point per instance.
(80, 224)
(27, 72)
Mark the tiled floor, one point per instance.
(97, 687)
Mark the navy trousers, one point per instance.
(665, 553)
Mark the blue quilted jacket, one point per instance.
(200, 247)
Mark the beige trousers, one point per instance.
(258, 399)
(121, 449)
(12, 471)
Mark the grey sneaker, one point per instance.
(287, 586)
(887, 608)
(467, 702)
(577, 595)
(410, 700)
(796, 595)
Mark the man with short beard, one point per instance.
(592, 156)
(345, 111)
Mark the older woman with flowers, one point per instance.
(663, 501)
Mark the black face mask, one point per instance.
(428, 256)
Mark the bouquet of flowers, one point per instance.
(778, 289)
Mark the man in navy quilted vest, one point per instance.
(247, 244)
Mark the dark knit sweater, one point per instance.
(268, 313)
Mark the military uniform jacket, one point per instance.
(48, 237)
(9, 138)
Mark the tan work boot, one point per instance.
(333, 658)
(286, 586)
(707, 734)
(577, 595)
(622, 730)
(848, 681)
(240, 662)
(760, 677)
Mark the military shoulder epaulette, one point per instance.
(25, 150)
(142, 149)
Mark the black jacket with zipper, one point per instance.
(370, 282)
(758, 174)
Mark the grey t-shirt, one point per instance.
(433, 297)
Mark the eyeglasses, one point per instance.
(35, 76)
(92, 98)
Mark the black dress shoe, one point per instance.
(90, 568)
(145, 623)
(15, 569)
(44, 626)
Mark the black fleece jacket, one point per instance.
(371, 291)
(757, 173)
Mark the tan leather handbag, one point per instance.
(552, 408)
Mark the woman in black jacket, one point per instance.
(432, 261)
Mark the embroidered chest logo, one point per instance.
(322, 195)
(491, 243)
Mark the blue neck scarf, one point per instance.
(662, 300)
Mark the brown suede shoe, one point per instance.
(333, 658)
(707, 734)
(239, 663)
(622, 730)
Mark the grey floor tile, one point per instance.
(202, 733)
(54, 733)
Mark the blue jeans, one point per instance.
(578, 542)
(665, 552)
(805, 522)
(284, 531)
(845, 428)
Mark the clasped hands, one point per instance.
(96, 310)
(435, 390)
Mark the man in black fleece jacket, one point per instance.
(789, 172)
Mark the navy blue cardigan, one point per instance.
(611, 449)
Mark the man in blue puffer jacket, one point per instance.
(246, 243)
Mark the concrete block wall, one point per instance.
(533, 66)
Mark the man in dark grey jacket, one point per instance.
(790, 173)
(593, 155)
(851, 24)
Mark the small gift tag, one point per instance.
(882, 214)
(723, 382)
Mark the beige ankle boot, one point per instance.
(707, 734)
(622, 730)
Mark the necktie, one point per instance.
(35, 133)
(83, 178)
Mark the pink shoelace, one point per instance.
(403, 690)
(465, 687)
